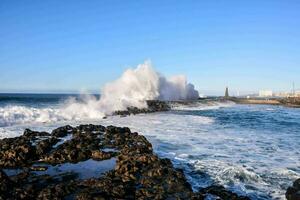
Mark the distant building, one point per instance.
(265, 93)
(282, 94)
(226, 93)
(288, 94)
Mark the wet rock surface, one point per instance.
(16, 152)
(293, 192)
(152, 106)
(221, 192)
(137, 172)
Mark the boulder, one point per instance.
(100, 155)
(63, 131)
(6, 185)
(138, 173)
(221, 192)
(293, 192)
(30, 133)
(16, 152)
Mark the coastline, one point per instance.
(272, 101)
(132, 169)
(90, 167)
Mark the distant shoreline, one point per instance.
(288, 102)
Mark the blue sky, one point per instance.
(66, 46)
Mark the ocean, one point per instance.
(253, 150)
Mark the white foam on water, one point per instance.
(63, 140)
(260, 164)
(132, 89)
(135, 86)
(10, 115)
(210, 105)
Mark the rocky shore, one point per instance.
(291, 102)
(293, 192)
(92, 162)
(288, 102)
(152, 106)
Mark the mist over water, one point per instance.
(136, 86)
(132, 89)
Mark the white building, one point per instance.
(265, 93)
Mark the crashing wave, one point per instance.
(132, 89)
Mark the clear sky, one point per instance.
(65, 46)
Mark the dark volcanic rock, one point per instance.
(152, 106)
(74, 150)
(100, 155)
(222, 193)
(5, 185)
(30, 133)
(46, 145)
(58, 191)
(293, 192)
(138, 173)
(91, 128)
(16, 152)
(63, 131)
(157, 106)
(156, 178)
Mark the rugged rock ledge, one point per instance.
(293, 192)
(289, 102)
(152, 106)
(137, 174)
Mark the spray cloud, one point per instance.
(132, 89)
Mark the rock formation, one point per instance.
(293, 192)
(26, 162)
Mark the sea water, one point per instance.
(253, 150)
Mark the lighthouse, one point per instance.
(226, 93)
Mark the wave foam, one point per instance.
(132, 89)
(20, 114)
(211, 105)
(136, 86)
